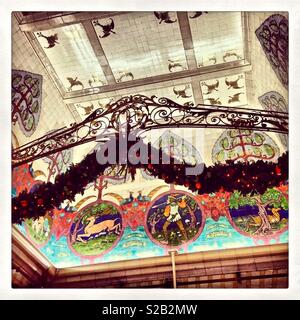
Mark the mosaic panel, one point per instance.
(217, 37)
(72, 57)
(26, 100)
(226, 91)
(245, 146)
(273, 35)
(141, 44)
(274, 101)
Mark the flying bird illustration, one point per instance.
(173, 65)
(235, 97)
(231, 54)
(74, 82)
(211, 87)
(95, 79)
(233, 84)
(107, 29)
(125, 75)
(164, 16)
(181, 93)
(198, 14)
(214, 59)
(52, 40)
(87, 109)
(105, 106)
(214, 101)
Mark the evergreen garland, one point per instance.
(253, 178)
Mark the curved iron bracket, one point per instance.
(143, 113)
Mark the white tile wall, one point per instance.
(54, 113)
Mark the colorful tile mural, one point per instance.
(138, 227)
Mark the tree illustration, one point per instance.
(245, 146)
(272, 197)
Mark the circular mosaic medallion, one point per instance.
(247, 220)
(174, 219)
(96, 229)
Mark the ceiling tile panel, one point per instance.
(72, 57)
(141, 46)
(217, 37)
(225, 91)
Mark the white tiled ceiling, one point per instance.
(73, 57)
(215, 34)
(142, 45)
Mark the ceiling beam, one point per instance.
(44, 21)
(99, 52)
(170, 79)
(187, 39)
(197, 93)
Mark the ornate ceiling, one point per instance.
(97, 58)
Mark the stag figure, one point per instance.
(163, 17)
(211, 87)
(74, 82)
(181, 93)
(93, 228)
(235, 97)
(107, 29)
(233, 84)
(52, 40)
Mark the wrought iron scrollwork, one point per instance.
(144, 113)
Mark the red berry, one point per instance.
(24, 203)
(278, 170)
(198, 185)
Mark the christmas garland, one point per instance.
(253, 178)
